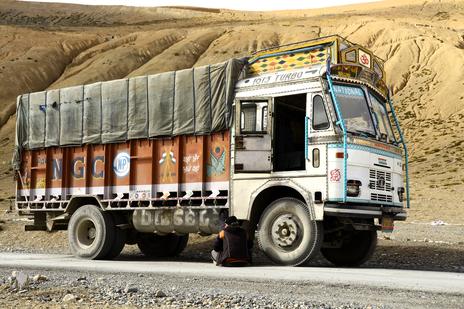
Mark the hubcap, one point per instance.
(285, 230)
(86, 233)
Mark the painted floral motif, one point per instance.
(191, 164)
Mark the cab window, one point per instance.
(320, 118)
(382, 119)
(253, 116)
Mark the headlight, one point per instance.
(353, 188)
(401, 193)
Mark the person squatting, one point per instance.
(232, 246)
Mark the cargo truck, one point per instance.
(300, 142)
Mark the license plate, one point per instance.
(387, 224)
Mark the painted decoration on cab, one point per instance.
(217, 164)
(121, 164)
(364, 59)
(335, 175)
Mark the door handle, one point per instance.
(239, 143)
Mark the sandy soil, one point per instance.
(49, 45)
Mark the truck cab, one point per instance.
(313, 136)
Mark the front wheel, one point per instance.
(287, 234)
(356, 248)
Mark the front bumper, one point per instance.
(362, 211)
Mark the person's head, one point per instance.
(232, 220)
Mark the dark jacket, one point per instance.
(233, 245)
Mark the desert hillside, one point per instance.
(52, 45)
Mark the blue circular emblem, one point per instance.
(121, 164)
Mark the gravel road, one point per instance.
(96, 290)
(446, 282)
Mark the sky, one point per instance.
(247, 5)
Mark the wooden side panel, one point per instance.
(141, 173)
(77, 168)
(141, 162)
(218, 157)
(120, 163)
(167, 160)
(192, 162)
(55, 172)
(139, 169)
(38, 172)
(24, 177)
(96, 168)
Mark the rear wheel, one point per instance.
(120, 237)
(181, 245)
(90, 233)
(356, 248)
(287, 234)
(153, 245)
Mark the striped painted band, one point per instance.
(352, 200)
(369, 149)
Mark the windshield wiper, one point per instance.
(364, 134)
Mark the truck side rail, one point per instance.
(220, 202)
(341, 123)
(405, 148)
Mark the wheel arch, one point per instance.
(270, 192)
(80, 200)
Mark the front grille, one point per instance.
(380, 181)
(381, 197)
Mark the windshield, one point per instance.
(382, 117)
(354, 109)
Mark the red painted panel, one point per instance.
(182, 159)
(218, 157)
(77, 167)
(192, 159)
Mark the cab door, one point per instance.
(318, 126)
(253, 136)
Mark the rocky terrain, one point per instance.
(52, 289)
(45, 46)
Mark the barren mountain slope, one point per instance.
(422, 43)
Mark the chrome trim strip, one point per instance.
(352, 211)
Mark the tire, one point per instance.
(90, 233)
(183, 240)
(287, 234)
(120, 237)
(154, 246)
(357, 247)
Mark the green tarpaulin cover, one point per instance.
(192, 101)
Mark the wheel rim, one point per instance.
(86, 233)
(286, 232)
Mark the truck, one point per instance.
(300, 142)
